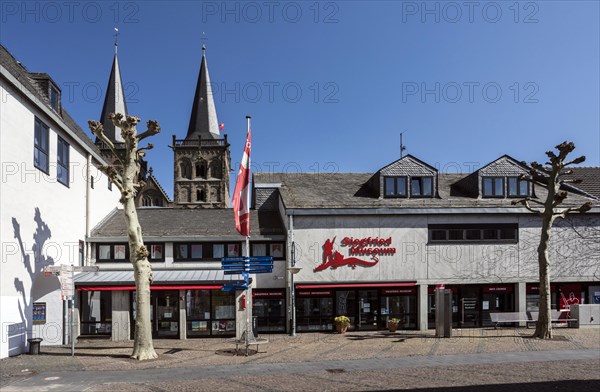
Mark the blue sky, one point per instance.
(330, 85)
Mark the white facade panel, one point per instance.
(41, 223)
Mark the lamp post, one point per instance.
(293, 270)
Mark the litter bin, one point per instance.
(34, 345)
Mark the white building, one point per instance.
(51, 195)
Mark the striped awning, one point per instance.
(162, 280)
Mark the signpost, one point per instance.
(67, 288)
(245, 265)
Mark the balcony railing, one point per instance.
(200, 142)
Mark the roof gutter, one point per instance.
(412, 211)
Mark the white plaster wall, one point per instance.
(576, 257)
(41, 223)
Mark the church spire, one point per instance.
(203, 120)
(114, 100)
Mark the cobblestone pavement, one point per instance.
(506, 359)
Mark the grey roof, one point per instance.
(352, 190)
(590, 179)
(181, 222)
(203, 121)
(114, 102)
(408, 165)
(159, 277)
(29, 81)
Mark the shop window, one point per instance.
(198, 312)
(269, 309)
(96, 312)
(223, 313)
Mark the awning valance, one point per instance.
(353, 285)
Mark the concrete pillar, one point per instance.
(521, 299)
(121, 328)
(422, 321)
(182, 316)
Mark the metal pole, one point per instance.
(248, 293)
(65, 321)
(73, 326)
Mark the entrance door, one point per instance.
(166, 311)
(470, 307)
(368, 305)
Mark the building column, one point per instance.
(120, 316)
(422, 320)
(521, 299)
(182, 316)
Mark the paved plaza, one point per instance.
(473, 360)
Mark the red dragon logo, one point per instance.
(334, 259)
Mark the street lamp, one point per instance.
(293, 270)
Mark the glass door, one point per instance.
(166, 304)
(368, 305)
(470, 307)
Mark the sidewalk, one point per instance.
(99, 361)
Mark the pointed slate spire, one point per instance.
(204, 115)
(114, 101)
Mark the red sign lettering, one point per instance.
(369, 246)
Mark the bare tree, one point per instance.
(125, 175)
(551, 178)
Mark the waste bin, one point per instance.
(34, 345)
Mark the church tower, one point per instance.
(202, 161)
(152, 194)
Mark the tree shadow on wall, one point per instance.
(34, 262)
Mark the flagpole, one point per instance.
(248, 289)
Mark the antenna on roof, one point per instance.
(116, 39)
(402, 146)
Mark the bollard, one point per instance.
(34, 345)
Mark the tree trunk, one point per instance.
(143, 347)
(543, 329)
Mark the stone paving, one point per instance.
(318, 361)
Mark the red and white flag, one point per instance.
(241, 194)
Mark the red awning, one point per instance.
(152, 287)
(354, 285)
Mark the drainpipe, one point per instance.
(88, 203)
(290, 271)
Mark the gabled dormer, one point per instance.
(408, 177)
(501, 179)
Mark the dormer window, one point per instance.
(493, 187)
(54, 97)
(517, 187)
(421, 186)
(395, 186)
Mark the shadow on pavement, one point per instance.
(562, 386)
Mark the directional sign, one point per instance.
(66, 281)
(58, 268)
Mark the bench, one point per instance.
(509, 317)
(556, 316)
(251, 340)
